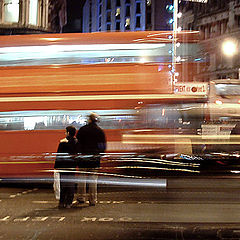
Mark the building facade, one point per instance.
(125, 15)
(32, 16)
(217, 21)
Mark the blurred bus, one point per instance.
(50, 81)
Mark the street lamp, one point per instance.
(229, 48)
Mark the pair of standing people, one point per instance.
(90, 142)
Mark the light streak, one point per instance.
(92, 97)
(74, 48)
(156, 168)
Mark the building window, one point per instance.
(138, 7)
(118, 3)
(108, 16)
(108, 26)
(149, 16)
(238, 20)
(127, 11)
(118, 25)
(33, 12)
(108, 4)
(100, 9)
(138, 21)
(11, 10)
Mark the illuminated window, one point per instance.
(11, 10)
(127, 23)
(33, 12)
(118, 11)
(52, 120)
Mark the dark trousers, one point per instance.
(67, 187)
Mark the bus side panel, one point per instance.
(100, 78)
(32, 153)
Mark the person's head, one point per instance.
(93, 118)
(70, 131)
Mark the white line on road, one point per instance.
(4, 219)
(43, 202)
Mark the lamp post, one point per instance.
(174, 41)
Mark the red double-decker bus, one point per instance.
(53, 80)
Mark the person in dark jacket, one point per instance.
(66, 164)
(92, 142)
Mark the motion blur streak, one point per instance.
(156, 161)
(89, 97)
(178, 136)
(119, 180)
(35, 162)
(159, 183)
(157, 168)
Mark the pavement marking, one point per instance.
(106, 219)
(60, 219)
(39, 219)
(21, 219)
(21, 193)
(43, 202)
(4, 219)
(63, 218)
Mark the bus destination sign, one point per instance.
(195, 88)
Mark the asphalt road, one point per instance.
(185, 209)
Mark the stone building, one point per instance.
(32, 16)
(217, 21)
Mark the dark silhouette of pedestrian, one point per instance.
(65, 163)
(92, 142)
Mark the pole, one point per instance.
(174, 41)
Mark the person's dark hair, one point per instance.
(71, 130)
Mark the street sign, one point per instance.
(199, 1)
